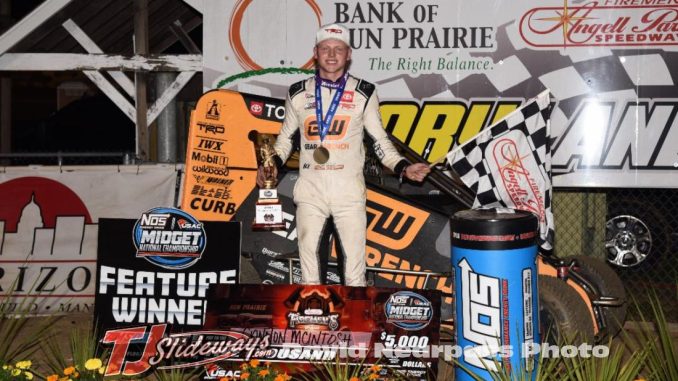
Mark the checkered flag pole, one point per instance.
(508, 165)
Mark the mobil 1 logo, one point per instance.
(169, 238)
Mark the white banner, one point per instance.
(446, 69)
(48, 220)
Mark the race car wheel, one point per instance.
(608, 283)
(636, 232)
(564, 317)
(628, 240)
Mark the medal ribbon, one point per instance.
(324, 123)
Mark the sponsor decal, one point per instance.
(211, 205)
(215, 372)
(218, 181)
(219, 171)
(213, 110)
(328, 167)
(408, 310)
(481, 309)
(217, 193)
(274, 112)
(333, 30)
(391, 223)
(210, 159)
(347, 96)
(432, 128)
(169, 238)
(616, 23)
(275, 274)
(330, 146)
(210, 145)
(528, 312)
(336, 131)
(256, 108)
(515, 169)
(213, 129)
(313, 309)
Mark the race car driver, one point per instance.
(332, 110)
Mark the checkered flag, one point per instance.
(509, 164)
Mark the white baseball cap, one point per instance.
(335, 31)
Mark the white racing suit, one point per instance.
(336, 188)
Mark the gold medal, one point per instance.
(321, 155)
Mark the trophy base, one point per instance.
(267, 227)
(268, 216)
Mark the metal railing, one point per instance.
(61, 158)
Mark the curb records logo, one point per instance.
(169, 238)
(408, 310)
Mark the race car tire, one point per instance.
(609, 284)
(636, 233)
(564, 317)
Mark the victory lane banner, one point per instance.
(303, 325)
(153, 274)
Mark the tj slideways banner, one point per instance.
(446, 69)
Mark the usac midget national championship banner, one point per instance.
(153, 275)
(301, 325)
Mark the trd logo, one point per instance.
(336, 131)
(211, 128)
(256, 108)
(391, 223)
(210, 144)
